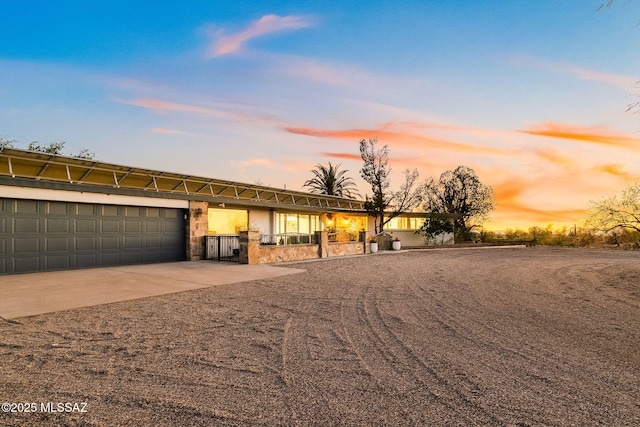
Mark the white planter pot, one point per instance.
(396, 245)
(374, 247)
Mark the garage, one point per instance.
(41, 235)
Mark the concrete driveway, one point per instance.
(37, 293)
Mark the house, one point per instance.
(59, 213)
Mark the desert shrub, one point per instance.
(516, 234)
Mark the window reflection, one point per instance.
(405, 223)
(227, 221)
(297, 223)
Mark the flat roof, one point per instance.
(40, 166)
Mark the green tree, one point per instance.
(384, 204)
(332, 181)
(85, 154)
(6, 142)
(436, 224)
(460, 194)
(54, 148)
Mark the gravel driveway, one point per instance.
(491, 337)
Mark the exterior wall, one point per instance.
(261, 220)
(197, 228)
(11, 192)
(408, 237)
(371, 225)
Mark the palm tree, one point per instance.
(331, 180)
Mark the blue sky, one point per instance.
(532, 95)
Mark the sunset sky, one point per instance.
(530, 94)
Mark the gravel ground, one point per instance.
(487, 337)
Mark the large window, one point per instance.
(227, 221)
(297, 223)
(347, 223)
(405, 223)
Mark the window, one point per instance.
(405, 223)
(297, 223)
(227, 221)
(346, 223)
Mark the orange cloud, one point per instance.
(267, 24)
(553, 157)
(513, 212)
(398, 139)
(593, 134)
(617, 171)
(343, 156)
(508, 191)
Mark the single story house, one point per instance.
(59, 213)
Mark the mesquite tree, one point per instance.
(461, 195)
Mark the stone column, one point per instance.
(365, 241)
(322, 237)
(197, 229)
(249, 247)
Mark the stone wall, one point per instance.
(345, 248)
(251, 252)
(269, 254)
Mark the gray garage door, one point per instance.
(44, 236)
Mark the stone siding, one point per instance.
(197, 229)
(269, 254)
(346, 248)
(251, 252)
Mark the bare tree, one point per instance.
(384, 205)
(620, 211)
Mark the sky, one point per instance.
(530, 94)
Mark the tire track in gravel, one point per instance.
(464, 319)
(468, 321)
(312, 344)
(464, 324)
(398, 370)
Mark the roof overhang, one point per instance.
(47, 171)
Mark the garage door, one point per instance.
(40, 235)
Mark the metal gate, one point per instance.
(223, 247)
